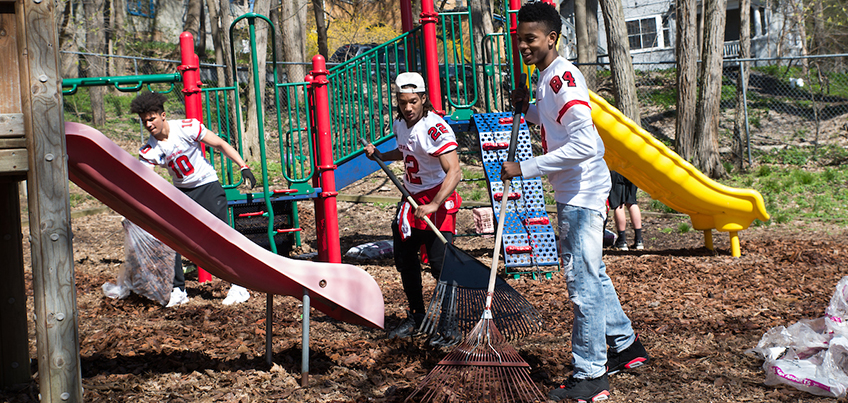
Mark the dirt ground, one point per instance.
(697, 311)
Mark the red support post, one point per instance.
(190, 68)
(406, 15)
(514, 5)
(326, 210)
(431, 62)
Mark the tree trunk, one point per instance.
(618, 47)
(321, 28)
(224, 32)
(201, 33)
(95, 41)
(252, 137)
(294, 38)
(66, 22)
(586, 25)
(686, 53)
(481, 20)
(706, 157)
(217, 32)
(744, 53)
(119, 11)
(192, 21)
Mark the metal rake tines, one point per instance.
(483, 368)
(463, 306)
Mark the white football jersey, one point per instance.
(181, 154)
(421, 145)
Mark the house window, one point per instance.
(644, 33)
(141, 8)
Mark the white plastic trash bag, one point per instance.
(148, 268)
(372, 250)
(811, 355)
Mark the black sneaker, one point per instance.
(632, 357)
(621, 244)
(582, 390)
(408, 327)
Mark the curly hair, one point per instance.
(543, 13)
(148, 102)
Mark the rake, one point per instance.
(459, 296)
(484, 367)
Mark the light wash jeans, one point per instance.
(598, 317)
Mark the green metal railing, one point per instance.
(295, 133)
(221, 116)
(361, 103)
(122, 83)
(496, 72)
(457, 67)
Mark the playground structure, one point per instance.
(326, 115)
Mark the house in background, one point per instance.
(651, 29)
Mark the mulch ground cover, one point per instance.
(697, 311)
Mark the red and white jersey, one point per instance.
(574, 152)
(181, 154)
(421, 145)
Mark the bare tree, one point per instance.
(742, 78)
(618, 47)
(118, 13)
(66, 21)
(95, 42)
(481, 20)
(321, 27)
(706, 156)
(293, 30)
(586, 25)
(192, 20)
(226, 19)
(256, 91)
(686, 53)
(218, 41)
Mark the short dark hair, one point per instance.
(541, 12)
(148, 102)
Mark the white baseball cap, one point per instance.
(410, 79)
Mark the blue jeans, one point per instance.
(598, 318)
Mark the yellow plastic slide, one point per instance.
(654, 168)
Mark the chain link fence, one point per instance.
(786, 102)
(789, 102)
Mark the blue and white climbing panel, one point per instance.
(528, 237)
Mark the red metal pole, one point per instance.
(513, 32)
(406, 15)
(431, 62)
(321, 241)
(190, 67)
(327, 227)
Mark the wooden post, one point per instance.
(14, 338)
(57, 338)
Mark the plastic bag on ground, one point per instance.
(148, 268)
(372, 250)
(811, 355)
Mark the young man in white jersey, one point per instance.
(177, 146)
(574, 164)
(427, 146)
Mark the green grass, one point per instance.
(684, 227)
(793, 193)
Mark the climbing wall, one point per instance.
(528, 238)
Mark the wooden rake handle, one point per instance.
(405, 192)
(513, 144)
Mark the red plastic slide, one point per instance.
(119, 180)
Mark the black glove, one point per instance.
(248, 177)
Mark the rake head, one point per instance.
(483, 368)
(460, 295)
